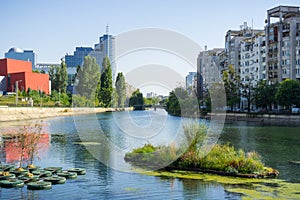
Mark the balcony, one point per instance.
(286, 30)
(285, 76)
(285, 38)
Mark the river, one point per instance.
(74, 142)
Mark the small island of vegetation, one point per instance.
(222, 159)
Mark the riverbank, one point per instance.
(260, 119)
(8, 114)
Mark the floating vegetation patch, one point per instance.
(130, 189)
(249, 188)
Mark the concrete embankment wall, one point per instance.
(263, 119)
(26, 113)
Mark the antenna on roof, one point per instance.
(107, 29)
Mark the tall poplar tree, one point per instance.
(106, 86)
(121, 89)
(88, 77)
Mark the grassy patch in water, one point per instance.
(221, 158)
(130, 189)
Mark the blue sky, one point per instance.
(54, 28)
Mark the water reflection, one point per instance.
(67, 149)
(276, 145)
(11, 145)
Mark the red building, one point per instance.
(21, 72)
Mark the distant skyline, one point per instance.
(54, 28)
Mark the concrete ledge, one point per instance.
(26, 113)
(261, 119)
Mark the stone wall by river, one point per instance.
(263, 119)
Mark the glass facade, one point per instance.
(18, 54)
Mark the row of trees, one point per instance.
(96, 88)
(92, 86)
(262, 95)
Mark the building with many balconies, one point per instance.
(283, 43)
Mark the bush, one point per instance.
(221, 157)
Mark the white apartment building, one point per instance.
(253, 59)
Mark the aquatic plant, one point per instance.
(221, 158)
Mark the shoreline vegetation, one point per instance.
(221, 159)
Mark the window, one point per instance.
(286, 53)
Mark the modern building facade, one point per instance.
(19, 73)
(105, 48)
(78, 58)
(19, 54)
(283, 43)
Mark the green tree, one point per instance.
(52, 76)
(288, 93)
(106, 87)
(178, 101)
(61, 98)
(248, 93)
(231, 84)
(88, 77)
(137, 100)
(264, 95)
(59, 77)
(115, 97)
(62, 78)
(121, 89)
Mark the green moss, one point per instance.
(249, 188)
(130, 189)
(147, 148)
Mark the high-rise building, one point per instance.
(253, 59)
(189, 79)
(19, 54)
(233, 40)
(208, 68)
(105, 47)
(78, 57)
(283, 43)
